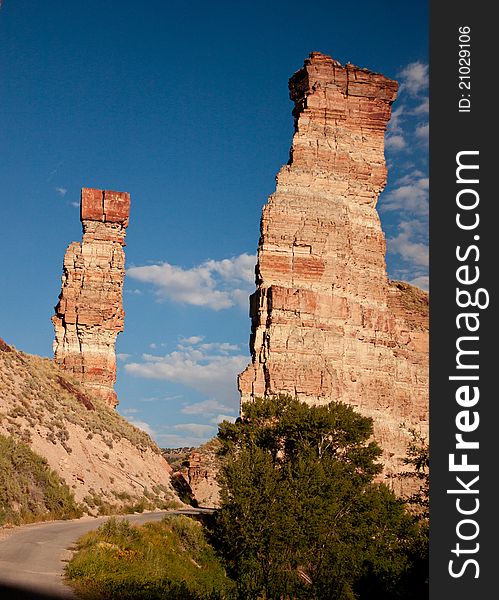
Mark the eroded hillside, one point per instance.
(107, 463)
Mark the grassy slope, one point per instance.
(46, 396)
(170, 560)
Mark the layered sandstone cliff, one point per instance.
(327, 324)
(90, 313)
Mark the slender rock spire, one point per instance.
(90, 313)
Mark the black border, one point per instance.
(451, 132)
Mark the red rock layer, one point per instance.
(326, 322)
(90, 313)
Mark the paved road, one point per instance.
(32, 557)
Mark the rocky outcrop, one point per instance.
(195, 473)
(4, 347)
(202, 474)
(327, 324)
(90, 313)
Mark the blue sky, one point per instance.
(185, 106)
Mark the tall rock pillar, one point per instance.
(90, 313)
(327, 324)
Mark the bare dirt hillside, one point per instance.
(108, 464)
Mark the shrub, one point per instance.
(171, 560)
(30, 490)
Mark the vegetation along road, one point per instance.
(32, 557)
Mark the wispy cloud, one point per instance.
(423, 108)
(423, 282)
(144, 426)
(414, 78)
(61, 191)
(165, 398)
(405, 204)
(395, 142)
(395, 122)
(422, 132)
(208, 407)
(192, 340)
(209, 368)
(177, 440)
(219, 418)
(214, 410)
(407, 246)
(409, 194)
(197, 429)
(212, 284)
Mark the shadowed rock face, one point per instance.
(90, 313)
(326, 322)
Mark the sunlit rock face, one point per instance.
(90, 313)
(327, 324)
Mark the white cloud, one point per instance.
(219, 418)
(184, 435)
(410, 194)
(196, 429)
(407, 244)
(422, 131)
(210, 407)
(166, 398)
(241, 267)
(395, 122)
(423, 282)
(414, 78)
(176, 440)
(61, 191)
(406, 199)
(123, 356)
(192, 340)
(144, 426)
(423, 108)
(213, 284)
(409, 178)
(395, 142)
(210, 370)
(223, 348)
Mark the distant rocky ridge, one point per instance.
(108, 464)
(327, 324)
(89, 314)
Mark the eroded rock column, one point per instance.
(326, 322)
(90, 313)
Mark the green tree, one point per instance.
(300, 515)
(418, 502)
(418, 459)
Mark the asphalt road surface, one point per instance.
(32, 557)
